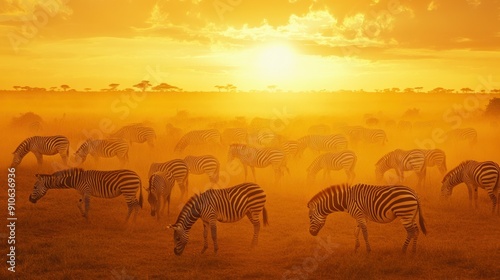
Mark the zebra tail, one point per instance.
(421, 221)
(264, 216)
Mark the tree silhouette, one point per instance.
(419, 89)
(17, 87)
(220, 87)
(230, 88)
(438, 90)
(272, 88)
(395, 89)
(466, 90)
(65, 87)
(52, 88)
(143, 85)
(165, 87)
(87, 89)
(113, 87)
(409, 90)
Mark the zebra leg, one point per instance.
(253, 173)
(39, 158)
(469, 190)
(475, 197)
(356, 235)
(133, 204)
(205, 237)
(494, 202)
(411, 233)
(254, 219)
(64, 156)
(85, 210)
(362, 225)
(213, 227)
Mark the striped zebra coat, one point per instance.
(160, 187)
(205, 164)
(319, 143)
(104, 184)
(333, 161)
(468, 135)
(138, 133)
(198, 137)
(380, 204)
(400, 161)
(475, 175)
(179, 170)
(106, 148)
(261, 158)
(42, 145)
(220, 205)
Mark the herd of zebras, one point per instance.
(362, 201)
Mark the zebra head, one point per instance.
(316, 218)
(181, 238)
(446, 187)
(159, 183)
(17, 160)
(43, 181)
(189, 214)
(82, 152)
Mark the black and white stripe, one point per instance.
(105, 148)
(260, 158)
(475, 175)
(333, 161)
(205, 164)
(179, 170)
(42, 145)
(458, 135)
(199, 137)
(220, 205)
(400, 161)
(138, 133)
(236, 135)
(159, 190)
(319, 143)
(436, 157)
(381, 204)
(104, 184)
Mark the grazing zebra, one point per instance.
(265, 138)
(290, 148)
(261, 158)
(462, 134)
(198, 137)
(400, 161)
(435, 157)
(367, 135)
(105, 184)
(330, 143)
(381, 204)
(42, 145)
(207, 164)
(333, 161)
(138, 133)
(220, 205)
(475, 175)
(179, 170)
(106, 148)
(234, 135)
(160, 188)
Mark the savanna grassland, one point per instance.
(53, 240)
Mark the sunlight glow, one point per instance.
(275, 62)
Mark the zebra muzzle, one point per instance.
(32, 200)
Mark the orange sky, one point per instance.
(294, 44)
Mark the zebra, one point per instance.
(333, 161)
(198, 137)
(381, 204)
(105, 184)
(106, 148)
(42, 145)
(261, 158)
(400, 161)
(227, 205)
(265, 138)
(475, 175)
(234, 135)
(179, 170)
(367, 135)
(290, 148)
(436, 157)
(462, 134)
(138, 133)
(332, 143)
(207, 164)
(160, 188)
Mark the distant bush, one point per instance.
(493, 108)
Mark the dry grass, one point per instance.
(55, 242)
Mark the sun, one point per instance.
(275, 62)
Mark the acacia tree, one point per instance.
(466, 90)
(231, 88)
(65, 87)
(143, 85)
(418, 89)
(220, 87)
(113, 87)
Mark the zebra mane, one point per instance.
(383, 158)
(326, 191)
(22, 147)
(187, 209)
(454, 171)
(67, 172)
